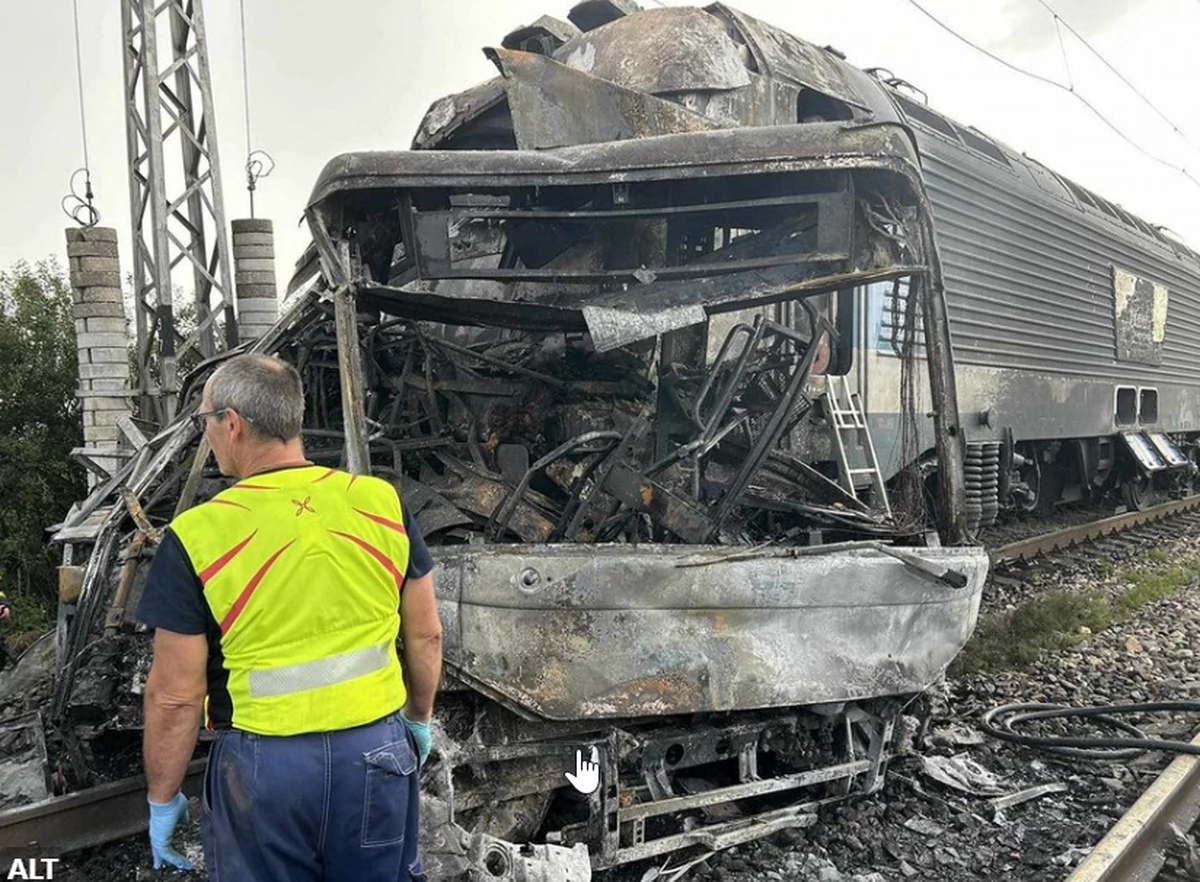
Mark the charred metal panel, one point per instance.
(591, 14)
(764, 102)
(1140, 315)
(544, 36)
(779, 149)
(620, 319)
(554, 105)
(778, 54)
(571, 633)
(482, 110)
(660, 50)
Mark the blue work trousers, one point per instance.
(329, 807)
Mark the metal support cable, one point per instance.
(79, 78)
(259, 163)
(80, 208)
(1063, 47)
(1060, 20)
(1183, 171)
(245, 76)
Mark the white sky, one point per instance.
(329, 77)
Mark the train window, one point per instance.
(814, 106)
(1108, 208)
(1081, 194)
(1157, 234)
(1148, 407)
(886, 305)
(1126, 406)
(1142, 225)
(978, 142)
(925, 116)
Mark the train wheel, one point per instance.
(1139, 493)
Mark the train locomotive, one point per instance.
(1072, 324)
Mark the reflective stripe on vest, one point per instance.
(302, 570)
(319, 673)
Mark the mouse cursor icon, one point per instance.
(586, 777)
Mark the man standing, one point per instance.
(281, 600)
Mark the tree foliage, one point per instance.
(39, 425)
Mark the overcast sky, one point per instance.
(328, 77)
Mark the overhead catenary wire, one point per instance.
(1063, 48)
(1059, 20)
(1183, 171)
(81, 208)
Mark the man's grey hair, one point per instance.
(266, 391)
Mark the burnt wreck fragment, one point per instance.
(590, 328)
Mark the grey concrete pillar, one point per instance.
(102, 342)
(254, 274)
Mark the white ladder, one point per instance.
(850, 430)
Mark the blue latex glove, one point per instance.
(423, 736)
(163, 818)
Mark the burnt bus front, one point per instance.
(600, 328)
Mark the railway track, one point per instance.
(1060, 540)
(1135, 849)
(83, 819)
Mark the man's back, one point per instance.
(302, 570)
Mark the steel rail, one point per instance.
(1059, 540)
(87, 818)
(1134, 850)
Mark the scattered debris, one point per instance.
(1000, 803)
(962, 773)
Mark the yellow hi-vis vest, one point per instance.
(302, 569)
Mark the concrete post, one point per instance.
(254, 268)
(102, 343)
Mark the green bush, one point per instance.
(39, 425)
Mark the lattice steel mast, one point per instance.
(178, 213)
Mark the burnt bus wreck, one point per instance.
(602, 327)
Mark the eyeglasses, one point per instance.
(200, 419)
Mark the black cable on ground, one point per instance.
(1000, 723)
